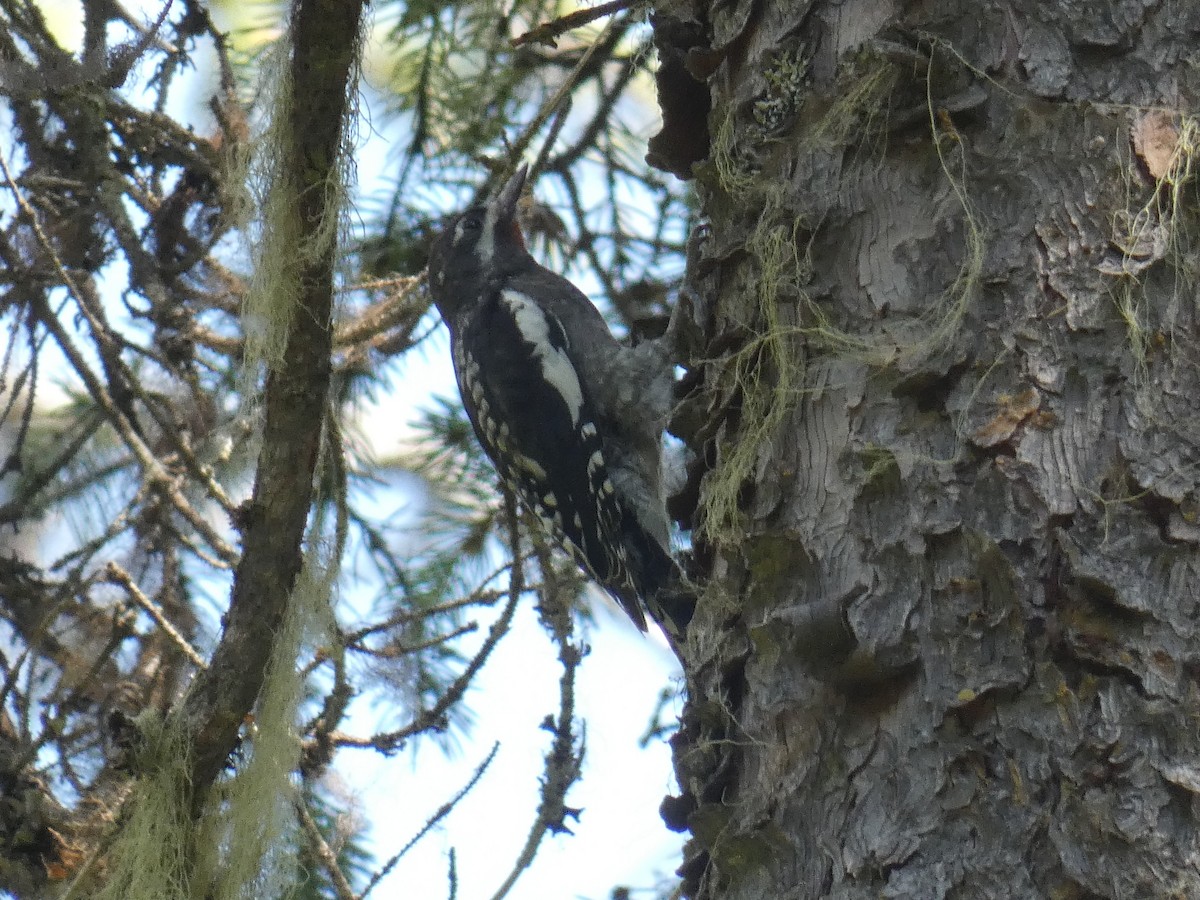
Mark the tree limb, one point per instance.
(325, 36)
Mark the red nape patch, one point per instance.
(514, 232)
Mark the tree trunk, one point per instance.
(947, 645)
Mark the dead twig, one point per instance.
(549, 32)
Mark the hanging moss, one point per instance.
(151, 856)
(767, 371)
(1156, 229)
(853, 116)
(287, 245)
(249, 853)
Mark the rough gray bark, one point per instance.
(949, 642)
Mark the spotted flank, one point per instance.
(534, 419)
(544, 386)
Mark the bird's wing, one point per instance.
(533, 415)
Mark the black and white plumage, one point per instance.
(572, 418)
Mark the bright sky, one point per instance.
(620, 839)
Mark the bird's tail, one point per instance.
(660, 583)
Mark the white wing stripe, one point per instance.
(557, 369)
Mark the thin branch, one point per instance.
(118, 575)
(120, 522)
(476, 598)
(41, 308)
(437, 640)
(549, 32)
(388, 742)
(29, 488)
(569, 83)
(324, 54)
(564, 761)
(601, 117)
(324, 852)
(382, 315)
(442, 811)
(155, 472)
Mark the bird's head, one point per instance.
(477, 249)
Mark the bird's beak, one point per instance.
(506, 200)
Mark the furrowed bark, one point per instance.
(947, 647)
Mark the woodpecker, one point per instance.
(572, 418)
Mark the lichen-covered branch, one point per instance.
(325, 44)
